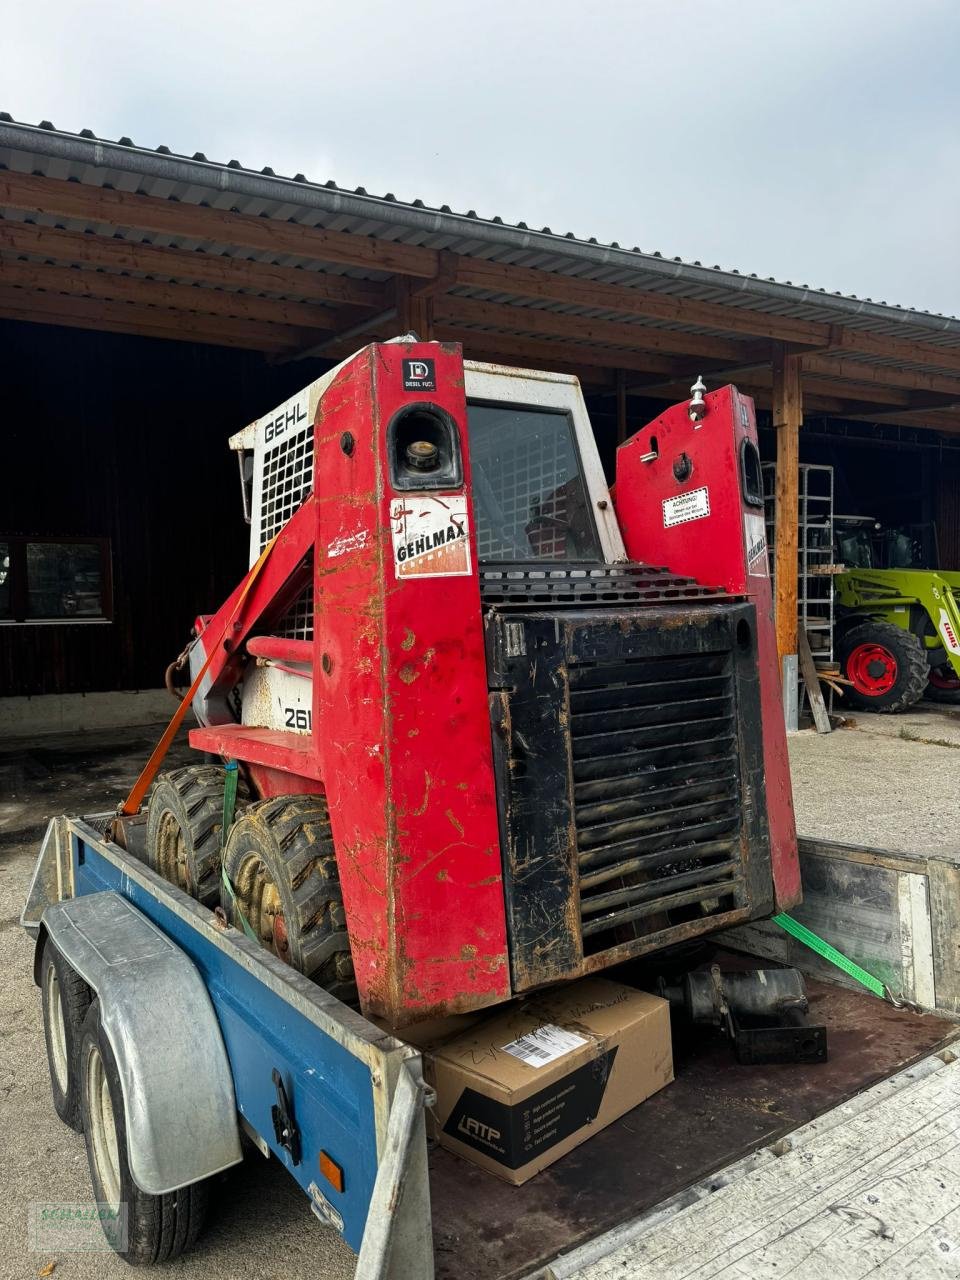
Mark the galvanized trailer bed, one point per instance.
(357, 1092)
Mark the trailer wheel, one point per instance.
(943, 686)
(886, 665)
(157, 1228)
(65, 998)
(281, 862)
(184, 818)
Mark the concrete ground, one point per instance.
(260, 1226)
(888, 781)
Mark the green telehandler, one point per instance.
(897, 634)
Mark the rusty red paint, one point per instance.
(717, 551)
(405, 748)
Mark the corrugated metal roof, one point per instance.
(85, 158)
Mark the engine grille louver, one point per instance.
(656, 785)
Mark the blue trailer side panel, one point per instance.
(330, 1089)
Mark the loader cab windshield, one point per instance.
(529, 497)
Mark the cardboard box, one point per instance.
(523, 1087)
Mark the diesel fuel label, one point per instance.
(431, 537)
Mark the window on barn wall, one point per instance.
(51, 580)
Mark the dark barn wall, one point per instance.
(126, 438)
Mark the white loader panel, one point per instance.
(278, 696)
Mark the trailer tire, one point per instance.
(281, 863)
(65, 999)
(184, 819)
(157, 1228)
(887, 666)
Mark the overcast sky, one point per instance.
(816, 141)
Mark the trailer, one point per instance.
(313, 1078)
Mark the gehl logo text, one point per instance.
(283, 422)
(477, 1129)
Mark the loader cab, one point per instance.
(539, 491)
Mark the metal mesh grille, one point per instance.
(287, 480)
(524, 476)
(512, 585)
(657, 794)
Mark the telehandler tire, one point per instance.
(65, 998)
(886, 665)
(156, 1228)
(281, 863)
(184, 818)
(943, 685)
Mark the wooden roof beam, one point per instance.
(102, 207)
(454, 310)
(151, 322)
(180, 297)
(84, 248)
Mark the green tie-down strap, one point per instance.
(229, 809)
(850, 967)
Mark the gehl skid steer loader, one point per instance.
(484, 745)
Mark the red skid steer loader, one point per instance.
(485, 742)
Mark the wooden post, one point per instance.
(621, 406)
(414, 310)
(787, 418)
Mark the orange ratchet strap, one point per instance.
(140, 788)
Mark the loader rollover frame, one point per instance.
(309, 1074)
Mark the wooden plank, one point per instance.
(869, 1190)
(615, 333)
(943, 888)
(152, 322)
(83, 248)
(787, 418)
(183, 297)
(104, 207)
(811, 680)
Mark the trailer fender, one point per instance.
(178, 1097)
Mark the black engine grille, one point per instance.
(506, 585)
(656, 794)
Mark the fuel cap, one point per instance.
(423, 455)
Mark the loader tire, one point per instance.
(281, 863)
(143, 1229)
(184, 818)
(943, 685)
(886, 665)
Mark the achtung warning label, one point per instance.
(686, 506)
(431, 537)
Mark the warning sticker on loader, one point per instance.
(686, 506)
(431, 537)
(755, 542)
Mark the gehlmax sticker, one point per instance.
(431, 537)
(755, 541)
(419, 375)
